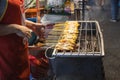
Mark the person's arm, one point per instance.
(33, 25)
(22, 31)
(6, 29)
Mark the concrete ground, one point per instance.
(111, 60)
(111, 33)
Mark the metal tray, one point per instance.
(90, 41)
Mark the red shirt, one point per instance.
(13, 12)
(14, 63)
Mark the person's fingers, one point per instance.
(21, 34)
(28, 34)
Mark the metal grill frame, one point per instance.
(85, 53)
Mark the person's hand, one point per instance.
(39, 30)
(21, 31)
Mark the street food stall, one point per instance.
(73, 44)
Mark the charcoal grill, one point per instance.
(89, 42)
(81, 61)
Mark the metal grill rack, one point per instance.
(89, 42)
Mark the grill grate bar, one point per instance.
(99, 43)
(92, 38)
(80, 37)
